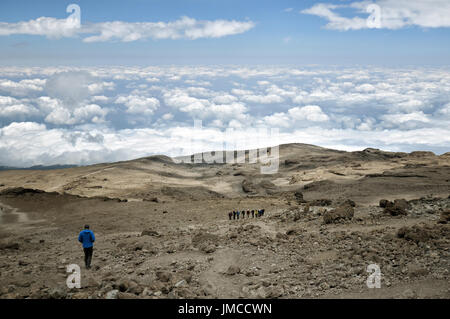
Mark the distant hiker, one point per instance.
(230, 214)
(234, 214)
(87, 238)
(248, 214)
(262, 212)
(253, 213)
(243, 214)
(237, 214)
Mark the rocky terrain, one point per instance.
(163, 230)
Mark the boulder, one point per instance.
(414, 233)
(344, 212)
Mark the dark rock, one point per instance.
(414, 233)
(445, 217)
(233, 270)
(395, 209)
(402, 203)
(320, 202)
(344, 212)
(384, 203)
(150, 232)
(248, 186)
(164, 276)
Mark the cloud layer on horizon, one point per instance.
(89, 115)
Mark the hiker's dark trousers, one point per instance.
(88, 256)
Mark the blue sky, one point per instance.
(278, 36)
(128, 79)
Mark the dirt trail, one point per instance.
(215, 278)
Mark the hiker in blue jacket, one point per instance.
(87, 238)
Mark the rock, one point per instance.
(445, 217)
(273, 292)
(57, 293)
(208, 248)
(396, 209)
(306, 209)
(299, 197)
(340, 213)
(416, 270)
(321, 202)
(384, 203)
(123, 285)
(414, 233)
(402, 203)
(126, 295)
(282, 236)
(164, 276)
(181, 283)
(12, 246)
(113, 294)
(233, 270)
(248, 186)
(150, 232)
(349, 202)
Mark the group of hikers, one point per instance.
(235, 214)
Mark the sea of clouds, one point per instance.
(68, 115)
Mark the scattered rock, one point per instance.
(395, 209)
(445, 217)
(248, 186)
(164, 276)
(384, 203)
(233, 270)
(150, 232)
(414, 233)
(344, 212)
(321, 202)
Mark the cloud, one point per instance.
(86, 113)
(308, 113)
(44, 26)
(23, 87)
(388, 14)
(183, 28)
(347, 108)
(14, 108)
(139, 104)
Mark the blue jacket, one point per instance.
(87, 238)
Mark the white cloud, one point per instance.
(348, 108)
(309, 113)
(23, 87)
(263, 99)
(393, 14)
(86, 113)
(183, 28)
(139, 104)
(13, 108)
(224, 99)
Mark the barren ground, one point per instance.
(192, 250)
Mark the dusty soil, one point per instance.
(163, 231)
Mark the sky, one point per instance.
(83, 82)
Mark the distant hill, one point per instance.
(36, 167)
